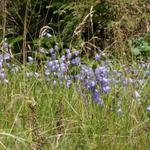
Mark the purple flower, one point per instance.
(92, 85)
(8, 65)
(101, 71)
(67, 50)
(2, 74)
(1, 58)
(100, 102)
(124, 81)
(104, 82)
(50, 64)
(135, 72)
(79, 77)
(63, 68)
(5, 45)
(1, 64)
(47, 72)
(51, 50)
(97, 57)
(148, 108)
(6, 56)
(95, 95)
(56, 47)
(63, 58)
(68, 55)
(68, 83)
(141, 81)
(106, 89)
(76, 61)
(76, 53)
(136, 94)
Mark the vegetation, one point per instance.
(74, 74)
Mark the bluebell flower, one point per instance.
(100, 102)
(8, 65)
(76, 53)
(135, 72)
(63, 68)
(101, 71)
(2, 74)
(79, 77)
(97, 57)
(106, 89)
(67, 50)
(56, 47)
(6, 56)
(148, 108)
(68, 83)
(51, 50)
(5, 45)
(104, 82)
(1, 64)
(68, 62)
(124, 81)
(136, 94)
(141, 81)
(92, 85)
(1, 58)
(50, 63)
(76, 61)
(63, 58)
(69, 55)
(95, 95)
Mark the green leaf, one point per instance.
(136, 51)
(15, 40)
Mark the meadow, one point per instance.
(74, 75)
(65, 102)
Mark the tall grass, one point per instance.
(35, 114)
(48, 117)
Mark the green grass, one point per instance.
(34, 114)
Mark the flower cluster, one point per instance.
(67, 66)
(4, 58)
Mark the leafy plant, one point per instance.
(140, 47)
